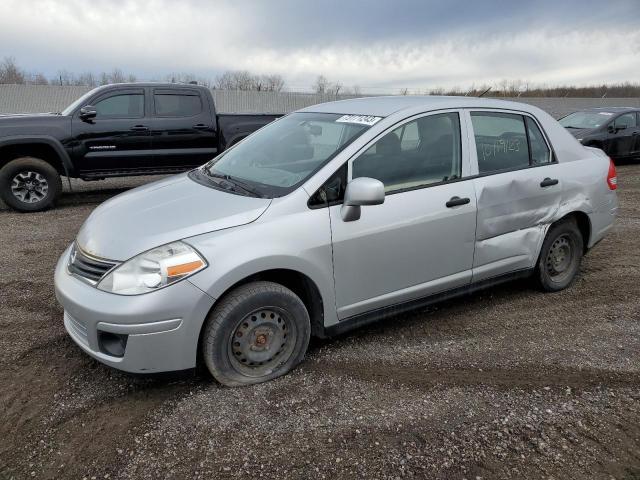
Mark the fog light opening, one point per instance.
(112, 343)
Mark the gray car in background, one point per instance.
(329, 218)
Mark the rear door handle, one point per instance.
(201, 126)
(457, 201)
(547, 182)
(140, 128)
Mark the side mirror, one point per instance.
(88, 112)
(616, 128)
(361, 191)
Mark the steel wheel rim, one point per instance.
(29, 187)
(560, 258)
(262, 341)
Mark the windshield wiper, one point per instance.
(246, 187)
(231, 183)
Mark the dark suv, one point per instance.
(114, 130)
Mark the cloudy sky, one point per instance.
(380, 46)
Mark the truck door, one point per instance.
(183, 132)
(117, 139)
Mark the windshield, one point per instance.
(69, 110)
(276, 159)
(585, 119)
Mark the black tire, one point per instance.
(560, 256)
(257, 332)
(29, 184)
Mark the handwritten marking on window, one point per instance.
(499, 146)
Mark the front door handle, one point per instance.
(457, 201)
(201, 126)
(140, 128)
(547, 182)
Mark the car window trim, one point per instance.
(116, 93)
(188, 92)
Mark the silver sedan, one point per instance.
(329, 218)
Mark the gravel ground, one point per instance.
(508, 383)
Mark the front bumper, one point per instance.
(161, 328)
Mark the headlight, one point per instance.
(153, 269)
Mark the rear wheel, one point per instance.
(560, 256)
(258, 332)
(29, 184)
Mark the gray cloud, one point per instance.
(400, 43)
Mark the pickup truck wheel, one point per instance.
(258, 332)
(560, 256)
(29, 184)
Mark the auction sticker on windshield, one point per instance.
(359, 119)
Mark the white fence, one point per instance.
(53, 98)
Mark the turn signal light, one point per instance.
(183, 269)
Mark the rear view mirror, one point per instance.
(361, 191)
(88, 112)
(315, 130)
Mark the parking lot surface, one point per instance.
(506, 383)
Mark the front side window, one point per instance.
(628, 120)
(419, 153)
(501, 141)
(177, 105)
(280, 156)
(128, 105)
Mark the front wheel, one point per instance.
(560, 256)
(29, 184)
(258, 332)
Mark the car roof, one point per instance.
(149, 84)
(384, 106)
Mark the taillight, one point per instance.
(612, 178)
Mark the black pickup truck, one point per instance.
(112, 131)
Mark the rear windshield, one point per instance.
(280, 156)
(586, 119)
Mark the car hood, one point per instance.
(580, 132)
(162, 212)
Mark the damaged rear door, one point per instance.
(518, 191)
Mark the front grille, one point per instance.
(88, 267)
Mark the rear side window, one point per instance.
(419, 153)
(501, 141)
(177, 105)
(130, 105)
(540, 152)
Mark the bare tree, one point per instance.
(117, 76)
(39, 79)
(321, 85)
(235, 80)
(273, 82)
(10, 72)
(87, 79)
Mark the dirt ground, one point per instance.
(507, 383)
